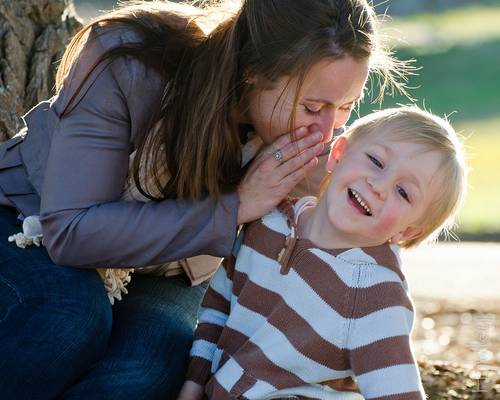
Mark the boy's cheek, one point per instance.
(388, 225)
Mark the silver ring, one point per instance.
(278, 155)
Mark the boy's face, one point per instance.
(379, 189)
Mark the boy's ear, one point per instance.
(409, 233)
(336, 152)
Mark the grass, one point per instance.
(461, 80)
(458, 53)
(481, 210)
(458, 26)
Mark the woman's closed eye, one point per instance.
(347, 107)
(311, 110)
(375, 161)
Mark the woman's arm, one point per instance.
(84, 221)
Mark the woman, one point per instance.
(146, 87)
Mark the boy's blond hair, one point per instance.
(413, 125)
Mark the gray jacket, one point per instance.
(72, 170)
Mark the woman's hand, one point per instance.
(191, 391)
(269, 180)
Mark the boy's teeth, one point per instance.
(360, 201)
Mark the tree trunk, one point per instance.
(33, 36)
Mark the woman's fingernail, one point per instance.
(314, 128)
(302, 129)
(317, 136)
(318, 147)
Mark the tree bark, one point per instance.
(33, 36)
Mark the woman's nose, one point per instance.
(329, 123)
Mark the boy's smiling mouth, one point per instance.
(359, 202)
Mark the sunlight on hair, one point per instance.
(215, 11)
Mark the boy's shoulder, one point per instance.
(275, 222)
(281, 217)
(378, 266)
(380, 277)
(273, 227)
(284, 216)
(386, 255)
(292, 207)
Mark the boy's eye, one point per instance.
(375, 161)
(403, 193)
(310, 110)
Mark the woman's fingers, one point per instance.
(299, 160)
(293, 156)
(292, 179)
(286, 138)
(289, 149)
(270, 178)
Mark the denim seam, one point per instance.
(64, 351)
(19, 297)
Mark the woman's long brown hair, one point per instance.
(194, 131)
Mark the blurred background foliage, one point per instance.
(456, 48)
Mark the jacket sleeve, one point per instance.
(212, 317)
(84, 221)
(379, 346)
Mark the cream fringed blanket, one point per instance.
(115, 280)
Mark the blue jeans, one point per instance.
(60, 337)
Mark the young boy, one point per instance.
(315, 292)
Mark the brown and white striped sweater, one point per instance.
(267, 330)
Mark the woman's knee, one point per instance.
(73, 296)
(78, 309)
(85, 318)
(53, 328)
(157, 373)
(152, 335)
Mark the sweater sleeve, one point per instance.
(380, 346)
(83, 219)
(212, 318)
